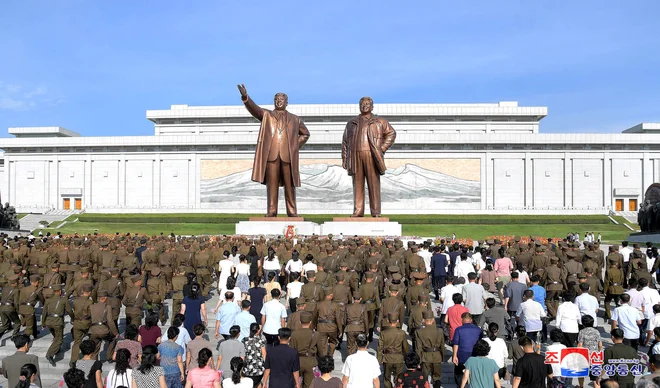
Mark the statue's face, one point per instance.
(366, 105)
(280, 101)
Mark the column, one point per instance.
(156, 177)
(529, 181)
(607, 180)
(121, 181)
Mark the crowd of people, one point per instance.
(285, 306)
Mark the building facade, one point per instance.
(447, 158)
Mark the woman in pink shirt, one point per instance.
(204, 376)
(502, 267)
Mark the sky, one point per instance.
(96, 66)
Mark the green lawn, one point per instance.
(610, 232)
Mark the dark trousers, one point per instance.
(292, 304)
(458, 373)
(439, 282)
(271, 339)
(570, 339)
(256, 380)
(632, 342)
(642, 330)
(608, 299)
(478, 319)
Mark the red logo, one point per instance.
(290, 231)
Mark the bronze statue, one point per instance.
(366, 139)
(276, 159)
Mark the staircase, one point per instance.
(31, 221)
(629, 216)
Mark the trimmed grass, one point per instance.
(143, 228)
(21, 215)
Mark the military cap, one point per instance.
(490, 242)
(590, 254)
(393, 269)
(423, 298)
(368, 275)
(328, 290)
(343, 264)
(612, 260)
(104, 243)
(480, 242)
(155, 271)
(392, 317)
(418, 276)
(136, 278)
(305, 317)
(102, 294)
(357, 295)
(55, 265)
(311, 274)
(56, 287)
(571, 254)
(554, 259)
(84, 269)
(635, 245)
(320, 263)
(374, 266)
(34, 278)
(582, 275)
(13, 279)
(426, 314)
(516, 238)
(397, 276)
(18, 269)
(339, 277)
(497, 241)
(300, 301)
(393, 288)
(615, 247)
(114, 271)
(87, 287)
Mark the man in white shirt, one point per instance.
(653, 323)
(477, 261)
(309, 265)
(636, 297)
(273, 317)
(361, 370)
(294, 264)
(651, 298)
(446, 293)
(529, 314)
(568, 319)
(463, 268)
(474, 297)
(587, 303)
(426, 256)
(628, 319)
(625, 252)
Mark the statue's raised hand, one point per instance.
(241, 88)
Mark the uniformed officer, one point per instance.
(613, 287)
(134, 301)
(293, 321)
(9, 302)
(82, 319)
(416, 317)
(323, 277)
(356, 322)
(572, 269)
(202, 261)
(179, 280)
(430, 341)
(371, 299)
(103, 327)
(52, 318)
(554, 284)
(114, 288)
(312, 291)
(52, 278)
(155, 295)
(329, 325)
(342, 296)
(28, 298)
(416, 289)
(307, 342)
(391, 305)
(392, 348)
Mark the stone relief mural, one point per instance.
(408, 184)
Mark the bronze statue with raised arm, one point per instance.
(366, 139)
(276, 159)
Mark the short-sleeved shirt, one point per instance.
(228, 350)
(203, 377)
(149, 379)
(274, 311)
(454, 317)
(499, 316)
(282, 360)
(226, 315)
(589, 337)
(514, 291)
(195, 346)
(532, 370)
(244, 319)
(134, 347)
(361, 368)
(482, 370)
(257, 295)
(169, 351)
(474, 296)
(539, 294)
(149, 336)
(466, 337)
(254, 361)
(411, 378)
(626, 317)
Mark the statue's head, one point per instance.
(366, 105)
(280, 101)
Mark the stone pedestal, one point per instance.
(643, 237)
(277, 226)
(362, 226)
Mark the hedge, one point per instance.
(472, 219)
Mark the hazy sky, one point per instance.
(96, 66)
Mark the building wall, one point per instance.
(498, 181)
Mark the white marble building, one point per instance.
(448, 158)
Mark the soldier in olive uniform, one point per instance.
(613, 287)
(416, 317)
(155, 295)
(572, 269)
(342, 296)
(430, 341)
(554, 284)
(369, 296)
(539, 263)
(595, 287)
(329, 323)
(390, 305)
(103, 327)
(312, 291)
(392, 348)
(52, 318)
(323, 277)
(52, 278)
(82, 319)
(307, 342)
(203, 266)
(9, 302)
(179, 280)
(356, 322)
(416, 289)
(114, 287)
(28, 298)
(293, 321)
(134, 301)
